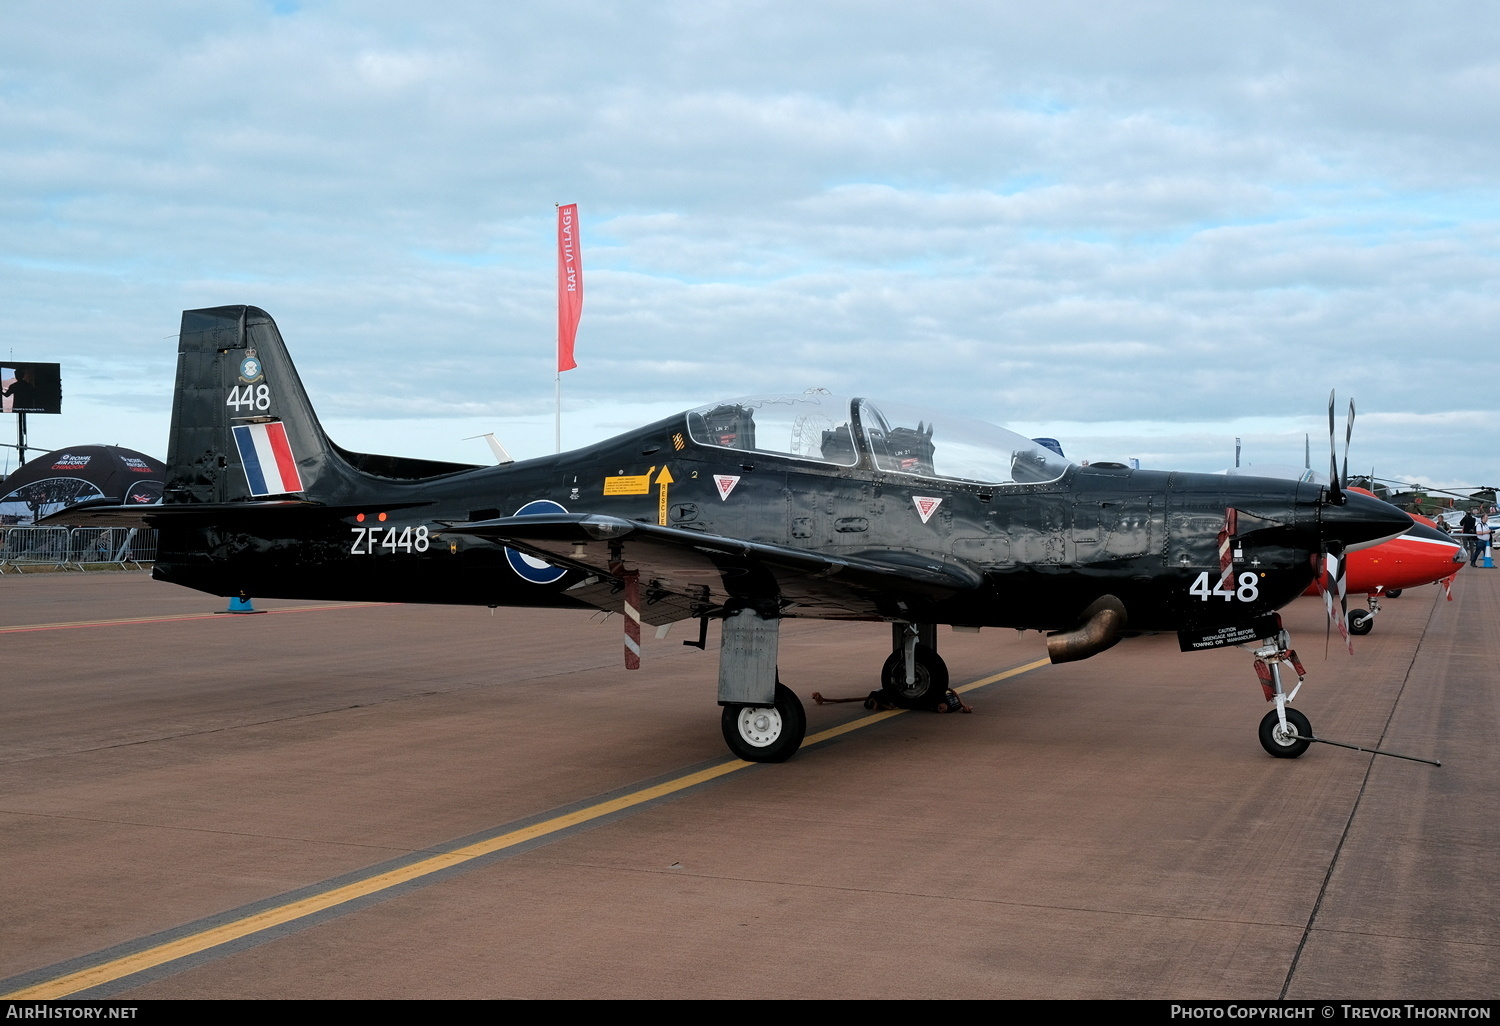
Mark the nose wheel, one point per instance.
(1289, 741)
(765, 733)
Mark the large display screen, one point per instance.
(30, 387)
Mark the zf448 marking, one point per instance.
(403, 539)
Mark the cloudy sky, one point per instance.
(1143, 228)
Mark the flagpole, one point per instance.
(569, 300)
(557, 415)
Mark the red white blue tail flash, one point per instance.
(270, 467)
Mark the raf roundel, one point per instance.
(532, 569)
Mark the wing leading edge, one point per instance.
(690, 573)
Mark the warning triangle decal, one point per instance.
(926, 506)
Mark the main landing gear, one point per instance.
(1284, 732)
(915, 676)
(766, 733)
(763, 720)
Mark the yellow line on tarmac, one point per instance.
(255, 922)
(1014, 672)
(168, 617)
(865, 721)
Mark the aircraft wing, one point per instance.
(700, 572)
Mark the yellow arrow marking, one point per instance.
(664, 478)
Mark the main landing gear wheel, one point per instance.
(927, 690)
(766, 733)
(1281, 743)
(1361, 622)
(1393, 593)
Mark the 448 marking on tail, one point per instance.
(250, 397)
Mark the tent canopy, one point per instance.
(69, 476)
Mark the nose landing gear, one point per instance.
(1284, 732)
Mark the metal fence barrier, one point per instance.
(65, 548)
(143, 545)
(35, 546)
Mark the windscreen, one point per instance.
(811, 426)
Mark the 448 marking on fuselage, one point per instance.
(368, 541)
(1206, 588)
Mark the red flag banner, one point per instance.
(569, 285)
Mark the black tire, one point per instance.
(927, 691)
(1282, 747)
(1361, 622)
(1393, 593)
(766, 733)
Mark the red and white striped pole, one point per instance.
(632, 619)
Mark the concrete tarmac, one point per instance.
(1109, 828)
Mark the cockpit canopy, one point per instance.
(897, 439)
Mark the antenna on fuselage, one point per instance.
(501, 456)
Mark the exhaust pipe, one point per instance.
(1099, 628)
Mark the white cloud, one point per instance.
(1176, 212)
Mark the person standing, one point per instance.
(1482, 537)
(1466, 528)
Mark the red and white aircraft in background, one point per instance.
(1423, 555)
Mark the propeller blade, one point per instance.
(1335, 490)
(1327, 595)
(1330, 584)
(1226, 544)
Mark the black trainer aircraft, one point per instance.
(746, 512)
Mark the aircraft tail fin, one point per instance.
(242, 425)
(243, 428)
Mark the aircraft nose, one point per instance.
(1362, 520)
